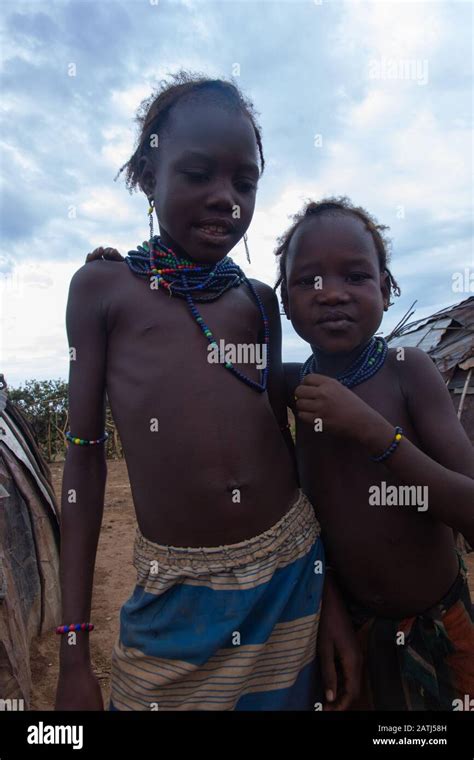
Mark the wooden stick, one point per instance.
(463, 394)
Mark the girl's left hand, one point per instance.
(341, 412)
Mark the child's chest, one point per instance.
(332, 464)
(154, 337)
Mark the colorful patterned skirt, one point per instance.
(419, 663)
(224, 628)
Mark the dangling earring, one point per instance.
(150, 216)
(246, 248)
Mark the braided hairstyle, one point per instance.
(154, 110)
(336, 205)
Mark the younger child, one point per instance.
(230, 567)
(373, 428)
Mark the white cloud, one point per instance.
(118, 146)
(33, 333)
(105, 203)
(386, 143)
(126, 101)
(389, 29)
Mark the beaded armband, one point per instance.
(75, 627)
(85, 441)
(391, 448)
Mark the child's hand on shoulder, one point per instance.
(109, 254)
(339, 410)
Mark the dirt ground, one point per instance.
(114, 580)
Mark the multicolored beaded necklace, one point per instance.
(366, 364)
(184, 278)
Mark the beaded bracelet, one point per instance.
(392, 447)
(84, 441)
(75, 627)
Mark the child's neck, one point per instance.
(334, 364)
(180, 252)
(177, 250)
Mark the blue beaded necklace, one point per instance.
(367, 363)
(184, 278)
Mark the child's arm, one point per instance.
(446, 463)
(338, 649)
(83, 486)
(291, 371)
(276, 380)
(447, 469)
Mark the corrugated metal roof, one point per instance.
(426, 337)
(447, 336)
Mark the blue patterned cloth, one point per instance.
(224, 628)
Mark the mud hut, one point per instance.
(29, 552)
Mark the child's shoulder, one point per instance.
(417, 374)
(269, 301)
(411, 363)
(96, 275)
(266, 292)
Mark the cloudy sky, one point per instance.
(370, 100)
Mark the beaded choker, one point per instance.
(367, 364)
(186, 279)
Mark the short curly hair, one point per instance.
(154, 110)
(336, 205)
